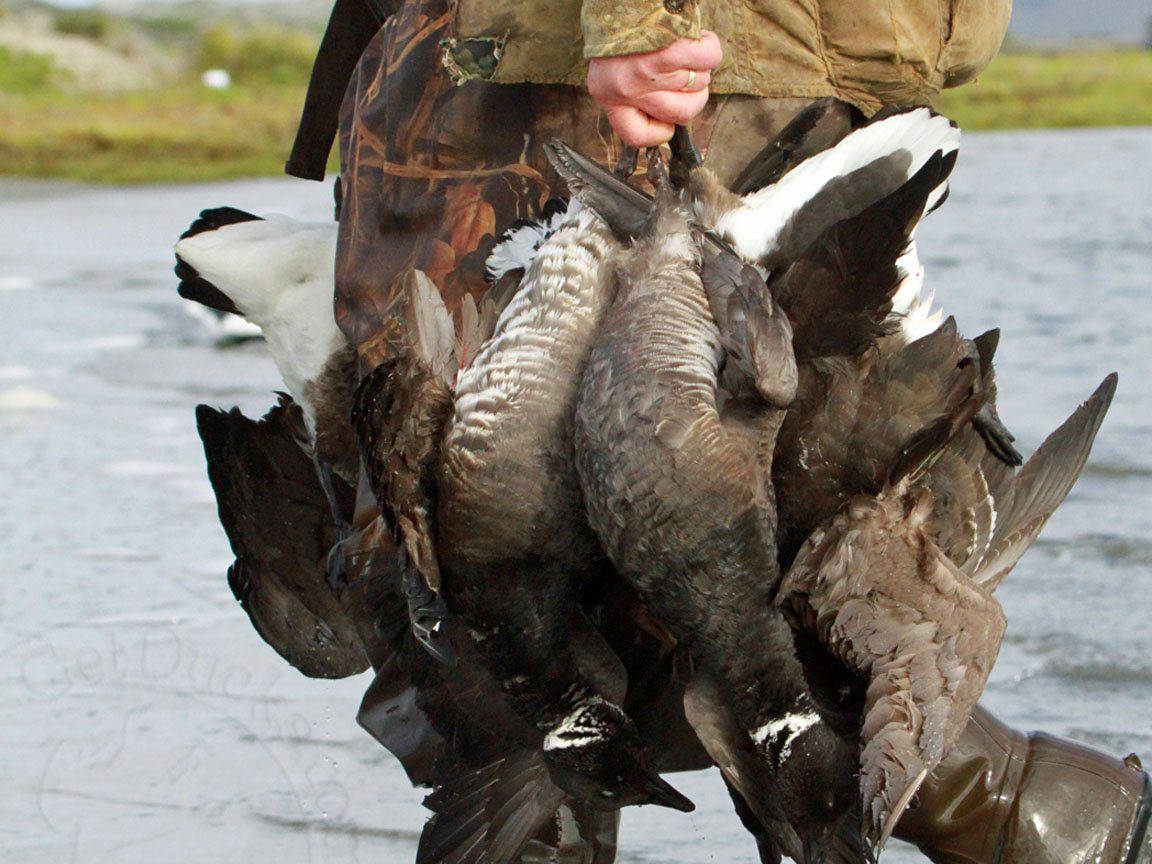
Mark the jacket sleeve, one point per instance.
(616, 27)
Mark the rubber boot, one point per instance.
(1004, 797)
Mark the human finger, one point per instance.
(676, 108)
(637, 129)
(701, 54)
(680, 81)
(623, 84)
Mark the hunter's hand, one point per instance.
(646, 95)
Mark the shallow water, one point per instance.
(141, 717)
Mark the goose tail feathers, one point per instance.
(626, 210)
(517, 246)
(216, 218)
(497, 812)
(193, 286)
(426, 327)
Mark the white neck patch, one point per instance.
(790, 727)
(580, 728)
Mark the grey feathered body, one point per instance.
(676, 472)
(675, 483)
(513, 538)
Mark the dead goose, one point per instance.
(515, 548)
(512, 550)
(685, 511)
(400, 414)
(278, 273)
(278, 523)
(878, 591)
(645, 484)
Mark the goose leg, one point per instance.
(626, 164)
(339, 523)
(427, 612)
(996, 435)
(685, 156)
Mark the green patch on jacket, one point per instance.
(473, 58)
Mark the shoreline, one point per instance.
(184, 132)
(15, 187)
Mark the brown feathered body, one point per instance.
(881, 596)
(896, 579)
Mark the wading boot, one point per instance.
(1005, 797)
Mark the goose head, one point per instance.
(816, 784)
(596, 755)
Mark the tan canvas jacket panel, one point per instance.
(867, 53)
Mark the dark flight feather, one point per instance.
(819, 126)
(278, 523)
(838, 293)
(1041, 486)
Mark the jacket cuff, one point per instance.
(616, 27)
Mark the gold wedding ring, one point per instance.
(691, 80)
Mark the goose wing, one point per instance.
(400, 413)
(855, 418)
(1041, 486)
(817, 127)
(279, 525)
(778, 223)
(986, 514)
(839, 293)
(891, 606)
(489, 813)
(753, 328)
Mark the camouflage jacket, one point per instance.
(867, 52)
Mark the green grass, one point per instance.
(93, 24)
(186, 132)
(178, 130)
(21, 72)
(1035, 91)
(183, 132)
(265, 54)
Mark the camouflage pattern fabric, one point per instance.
(433, 171)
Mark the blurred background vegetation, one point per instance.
(121, 96)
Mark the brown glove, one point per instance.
(1004, 797)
